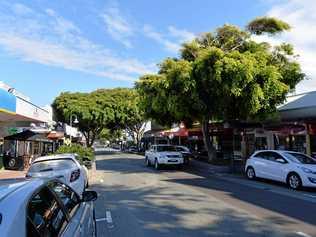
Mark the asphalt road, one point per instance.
(135, 200)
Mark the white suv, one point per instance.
(294, 168)
(159, 155)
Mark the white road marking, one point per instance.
(109, 217)
(100, 219)
(302, 234)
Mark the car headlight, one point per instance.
(306, 170)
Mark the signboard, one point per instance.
(7, 102)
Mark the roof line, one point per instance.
(303, 93)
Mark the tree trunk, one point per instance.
(207, 141)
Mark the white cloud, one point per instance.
(47, 38)
(181, 34)
(178, 37)
(300, 14)
(117, 26)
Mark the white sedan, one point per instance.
(64, 167)
(294, 168)
(159, 155)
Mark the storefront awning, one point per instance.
(29, 136)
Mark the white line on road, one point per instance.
(302, 234)
(100, 219)
(108, 217)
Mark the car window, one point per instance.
(262, 155)
(52, 165)
(300, 158)
(45, 215)
(68, 197)
(166, 148)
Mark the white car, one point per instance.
(64, 167)
(159, 155)
(294, 168)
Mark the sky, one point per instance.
(47, 47)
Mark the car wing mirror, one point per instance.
(89, 196)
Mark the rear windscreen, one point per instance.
(52, 165)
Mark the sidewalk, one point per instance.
(11, 174)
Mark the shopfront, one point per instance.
(21, 148)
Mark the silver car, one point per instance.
(39, 207)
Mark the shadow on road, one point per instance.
(166, 219)
(151, 211)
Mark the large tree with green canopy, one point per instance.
(221, 76)
(100, 110)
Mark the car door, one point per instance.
(45, 214)
(260, 164)
(277, 167)
(80, 214)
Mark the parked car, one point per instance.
(159, 155)
(64, 167)
(186, 153)
(294, 168)
(44, 207)
(133, 149)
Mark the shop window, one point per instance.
(261, 143)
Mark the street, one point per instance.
(135, 200)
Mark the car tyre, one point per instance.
(251, 174)
(294, 181)
(157, 166)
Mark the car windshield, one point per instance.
(166, 148)
(183, 149)
(52, 165)
(300, 158)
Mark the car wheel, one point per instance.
(12, 163)
(251, 174)
(294, 181)
(156, 164)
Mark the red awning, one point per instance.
(55, 135)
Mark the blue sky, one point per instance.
(47, 47)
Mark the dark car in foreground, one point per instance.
(43, 207)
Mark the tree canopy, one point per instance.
(111, 109)
(222, 75)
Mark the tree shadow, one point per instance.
(159, 211)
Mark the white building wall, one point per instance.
(29, 110)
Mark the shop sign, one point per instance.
(7, 101)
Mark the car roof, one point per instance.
(12, 186)
(56, 157)
(278, 151)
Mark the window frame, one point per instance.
(73, 212)
(61, 205)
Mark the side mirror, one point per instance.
(89, 196)
(280, 161)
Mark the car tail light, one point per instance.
(74, 175)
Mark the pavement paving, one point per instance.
(11, 174)
(135, 200)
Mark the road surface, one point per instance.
(135, 200)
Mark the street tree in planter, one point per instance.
(224, 75)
